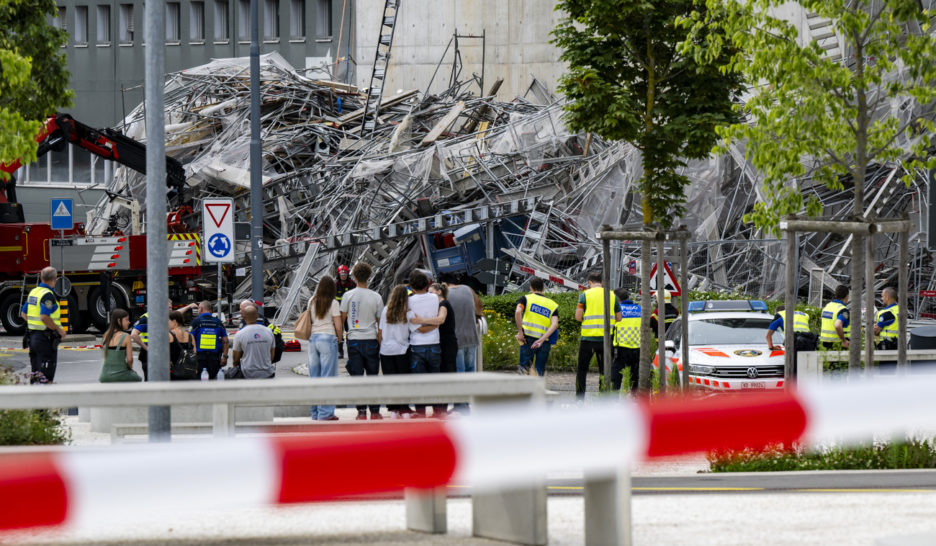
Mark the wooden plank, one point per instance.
(386, 103)
(444, 123)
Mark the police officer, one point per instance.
(803, 338)
(211, 341)
(886, 327)
(43, 318)
(590, 312)
(626, 341)
(836, 326)
(139, 334)
(537, 319)
(670, 313)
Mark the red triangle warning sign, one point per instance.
(669, 280)
(218, 212)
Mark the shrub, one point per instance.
(30, 427)
(913, 453)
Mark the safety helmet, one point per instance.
(667, 297)
(342, 269)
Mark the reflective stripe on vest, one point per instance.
(829, 314)
(537, 316)
(144, 336)
(800, 322)
(627, 330)
(33, 314)
(891, 330)
(208, 336)
(593, 319)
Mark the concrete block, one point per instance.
(607, 509)
(426, 510)
(921, 539)
(103, 418)
(84, 415)
(517, 516)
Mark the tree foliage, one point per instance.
(628, 79)
(813, 116)
(33, 74)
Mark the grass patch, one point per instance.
(30, 427)
(913, 453)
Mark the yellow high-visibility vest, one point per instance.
(891, 330)
(33, 314)
(144, 336)
(627, 330)
(829, 313)
(593, 319)
(800, 322)
(537, 316)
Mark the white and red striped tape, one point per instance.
(492, 448)
(561, 281)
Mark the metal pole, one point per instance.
(869, 303)
(902, 266)
(661, 316)
(489, 250)
(256, 181)
(684, 308)
(219, 290)
(157, 270)
(789, 304)
(606, 287)
(854, 304)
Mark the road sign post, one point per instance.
(218, 222)
(62, 218)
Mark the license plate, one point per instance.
(753, 385)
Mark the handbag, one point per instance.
(186, 366)
(303, 327)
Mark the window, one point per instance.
(323, 26)
(81, 25)
(221, 21)
(297, 28)
(103, 25)
(243, 20)
(125, 24)
(172, 21)
(270, 19)
(197, 21)
(60, 21)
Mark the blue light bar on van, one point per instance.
(758, 305)
(696, 306)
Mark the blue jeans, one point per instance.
(528, 353)
(364, 357)
(426, 359)
(323, 362)
(465, 358)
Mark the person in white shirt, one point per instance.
(360, 310)
(393, 334)
(425, 351)
(323, 342)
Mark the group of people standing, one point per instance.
(424, 328)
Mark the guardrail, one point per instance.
(517, 515)
(811, 363)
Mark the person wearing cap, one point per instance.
(670, 312)
(343, 284)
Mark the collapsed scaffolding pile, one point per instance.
(439, 154)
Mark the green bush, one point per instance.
(30, 427)
(914, 453)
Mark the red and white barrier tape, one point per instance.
(492, 448)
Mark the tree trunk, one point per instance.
(643, 378)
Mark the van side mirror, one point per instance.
(669, 345)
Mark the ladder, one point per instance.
(298, 281)
(381, 63)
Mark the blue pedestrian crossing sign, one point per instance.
(62, 217)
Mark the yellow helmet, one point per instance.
(667, 297)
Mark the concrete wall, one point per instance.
(517, 43)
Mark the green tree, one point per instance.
(33, 74)
(629, 80)
(813, 116)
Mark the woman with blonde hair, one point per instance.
(393, 334)
(323, 342)
(118, 352)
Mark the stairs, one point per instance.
(822, 31)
